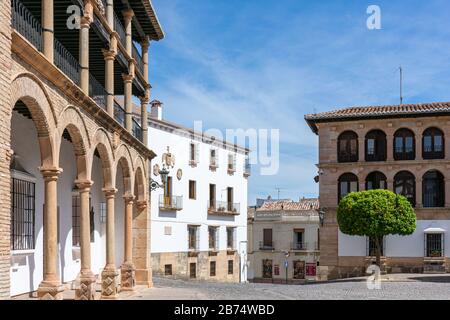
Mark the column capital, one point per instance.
(109, 54)
(109, 192)
(128, 14)
(142, 204)
(144, 100)
(127, 77)
(128, 198)
(85, 21)
(145, 44)
(84, 185)
(50, 173)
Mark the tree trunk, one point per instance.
(378, 240)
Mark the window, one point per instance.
(348, 147)
(193, 235)
(405, 184)
(192, 189)
(267, 268)
(231, 238)
(372, 247)
(213, 159)
(193, 154)
(212, 196)
(299, 243)
(231, 162)
(230, 266)
(404, 145)
(76, 219)
(376, 180)
(213, 239)
(168, 269)
(376, 146)
(433, 189)
(230, 199)
(299, 269)
(267, 238)
(212, 268)
(192, 270)
(433, 144)
(22, 214)
(434, 246)
(348, 182)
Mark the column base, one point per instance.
(50, 291)
(86, 290)
(109, 284)
(128, 277)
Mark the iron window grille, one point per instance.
(404, 145)
(230, 266)
(434, 245)
(348, 147)
(371, 249)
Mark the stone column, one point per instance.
(144, 120)
(109, 56)
(128, 97)
(85, 23)
(48, 29)
(110, 13)
(142, 244)
(50, 288)
(128, 18)
(145, 45)
(86, 291)
(128, 271)
(110, 274)
(419, 200)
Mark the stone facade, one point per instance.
(180, 263)
(333, 262)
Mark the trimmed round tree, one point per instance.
(376, 213)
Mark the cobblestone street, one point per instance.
(412, 286)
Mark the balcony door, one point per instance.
(168, 192)
(230, 199)
(212, 196)
(267, 238)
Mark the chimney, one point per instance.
(156, 111)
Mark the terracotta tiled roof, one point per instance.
(304, 204)
(388, 111)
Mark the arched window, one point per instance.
(433, 189)
(405, 184)
(348, 182)
(376, 180)
(348, 147)
(404, 145)
(376, 146)
(433, 144)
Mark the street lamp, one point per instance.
(164, 173)
(321, 216)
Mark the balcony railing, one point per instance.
(119, 114)
(266, 245)
(137, 130)
(299, 246)
(120, 30)
(223, 208)
(66, 62)
(138, 57)
(247, 169)
(26, 24)
(171, 203)
(97, 92)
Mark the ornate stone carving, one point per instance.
(168, 158)
(100, 7)
(86, 290)
(109, 284)
(128, 277)
(50, 292)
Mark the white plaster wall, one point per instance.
(27, 268)
(397, 246)
(195, 211)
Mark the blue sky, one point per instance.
(265, 64)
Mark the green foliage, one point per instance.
(376, 213)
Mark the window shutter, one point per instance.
(197, 153)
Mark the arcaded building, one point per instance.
(403, 148)
(74, 165)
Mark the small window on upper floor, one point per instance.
(404, 145)
(213, 159)
(376, 180)
(348, 147)
(231, 163)
(433, 144)
(347, 183)
(376, 146)
(193, 154)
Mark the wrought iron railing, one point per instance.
(137, 130)
(66, 62)
(119, 113)
(118, 27)
(97, 92)
(138, 57)
(170, 202)
(299, 246)
(223, 207)
(26, 24)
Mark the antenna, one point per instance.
(401, 85)
(278, 190)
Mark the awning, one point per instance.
(434, 230)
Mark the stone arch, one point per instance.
(140, 184)
(72, 121)
(124, 162)
(28, 89)
(102, 144)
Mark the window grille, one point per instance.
(22, 214)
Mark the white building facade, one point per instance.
(199, 220)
